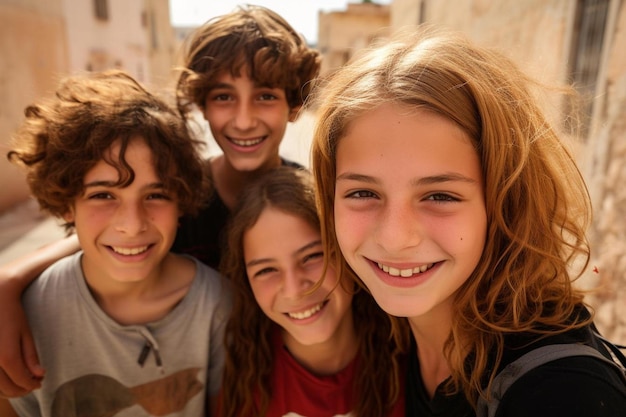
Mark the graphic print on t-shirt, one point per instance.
(291, 414)
(96, 395)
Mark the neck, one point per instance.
(431, 334)
(330, 356)
(230, 182)
(146, 300)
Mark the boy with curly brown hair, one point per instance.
(123, 319)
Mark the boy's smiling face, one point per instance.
(125, 233)
(247, 120)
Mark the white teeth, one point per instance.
(129, 251)
(301, 315)
(405, 273)
(247, 142)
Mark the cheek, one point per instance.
(215, 117)
(466, 239)
(262, 296)
(344, 297)
(351, 228)
(342, 233)
(167, 219)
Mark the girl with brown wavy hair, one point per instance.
(459, 207)
(296, 344)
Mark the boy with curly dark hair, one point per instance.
(123, 320)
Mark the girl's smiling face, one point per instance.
(409, 208)
(284, 261)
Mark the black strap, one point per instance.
(538, 357)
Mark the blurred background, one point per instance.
(556, 41)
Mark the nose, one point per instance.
(245, 116)
(398, 228)
(131, 219)
(295, 283)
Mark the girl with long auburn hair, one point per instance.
(458, 206)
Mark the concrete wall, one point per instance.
(604, 166)
(342, 33)
(33, 48)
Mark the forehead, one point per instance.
(278, 231)
(393, 141)
(137, 156)
(243, 78)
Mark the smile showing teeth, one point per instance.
(404, 273)
(301, 315)
(129, 251)
(248, 142)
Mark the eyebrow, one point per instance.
(306, 247)
(222, 86)
(228, 86)
(430, 180)
(103, 183)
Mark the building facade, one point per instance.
(44, 40)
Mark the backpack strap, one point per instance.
(533, 359)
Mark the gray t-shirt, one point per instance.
(95, 366)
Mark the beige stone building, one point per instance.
(43, 40)
(342, 33)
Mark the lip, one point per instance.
(399, 281)
(306, 320)
(130, 256)
(252, 143)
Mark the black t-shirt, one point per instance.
(570, 387)
(200, 236)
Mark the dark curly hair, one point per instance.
(254, 39)
(64, 136)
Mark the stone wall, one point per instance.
(33, 52)
(605, 169)
(538, 35)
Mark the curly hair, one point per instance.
(64, 136)
(254, 39)
(537, 204)
(249, 356)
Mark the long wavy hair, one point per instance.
(253, 38)
(537, 204)
(65, 135)
(246, 386)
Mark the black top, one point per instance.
(576, 386)
(200, 236)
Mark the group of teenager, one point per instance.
(433, 245)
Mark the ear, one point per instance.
(294, 113)
(69, 215)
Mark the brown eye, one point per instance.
(361, 194)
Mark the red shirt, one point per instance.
(297, 392)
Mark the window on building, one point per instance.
(101, 9)
(586, 54)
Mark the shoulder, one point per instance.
(58, 275)
(572, 386)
